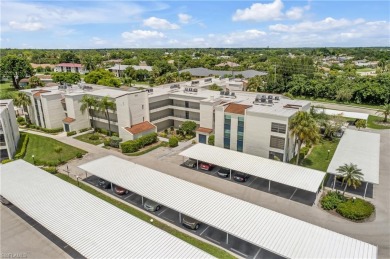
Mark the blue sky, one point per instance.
(180, 24)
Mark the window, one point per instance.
(226, 134)
(275, 156)
(226, 143)
(277, 127)
(240, 145)
(202, 138)
(142, 106)
(227, 122)
(187, 104)
(277, 142)
(187, 115)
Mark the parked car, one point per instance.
(190, 223)
(151, 205)
(223, 172)
(104, 184)
(4, 200)
(191, 163)
(120, 191)
(240, 177)
(206, 166)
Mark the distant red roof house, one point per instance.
(237, 108)
(39, 92)
(140, 127)
(68, 120)
(204, 130)
(69, 65)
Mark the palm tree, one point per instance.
(104, 105)
(87, 103)
(304, 129)
(385, 111)
(23, 100)
(351, 175)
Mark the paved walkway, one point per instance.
(376, 232)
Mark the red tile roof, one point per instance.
(205, 130)
(25, 80)
(140, 127)
(39, 92)
(237, 108)
(68, 120)
(68, 65)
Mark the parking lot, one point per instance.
(261, 184)
(358, 191)
(236, 245)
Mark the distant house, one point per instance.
(204, 72)
(118, 68)
(46, 79)
(228, 63)
(70, 67)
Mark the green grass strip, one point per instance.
(372, 122)
(212, 250)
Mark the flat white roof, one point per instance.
(275, 232)
(356, 115)
(359, 148)
(93, 227)
(288, 174)
(112, 93)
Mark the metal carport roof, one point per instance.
(360, 148)
(95, 228)
(275, 232)
(288, 174)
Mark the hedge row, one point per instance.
(84, 130)
(71, 133)
(22, 147)
(56, 130)
(132, 146)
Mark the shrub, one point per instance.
(173, 141)
(162, 134)
(114, 134)
(104, 131)
(355, 210)
(194, 141)
(94, 137)
(79, 155)
(6, 161)
(23, 123)
(211, 140)
(166, 131)
(304, 151)
(188, 137)
(130, 146)
(71, 133)
(22, 146)
(20, 119)
(331, 200)
(51, 169)
(114, 141)
(134, 145)
(84, 130)
(106, 142)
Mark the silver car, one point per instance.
(151, 206)
(190, 223)
(4, 200)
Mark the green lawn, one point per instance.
(209, 248)
(366, 69)
(318, 158)
(85, 138)
(6, 91)
(371, 123)
(43, 150)
(370, 106)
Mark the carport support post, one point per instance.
(334, 181)
(112, 188)
(179, 217)
(227, 238)
(142, 200)
(365, 190)
(230, 174)
(197, 164)
(269, 186)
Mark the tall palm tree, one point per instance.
(23, 100)
(304, 129)
(385, 111)
(105, 105)
(351, 175)
(87, 103)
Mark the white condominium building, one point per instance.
(9, 131)
(248, 122)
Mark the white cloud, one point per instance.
(184, 18)
(137, 35)
(260, 12)
(295, 13)
(323, 25)
(98, 41)
(162, 24)
(26, 26)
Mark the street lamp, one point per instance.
(78, 183)
(151, 221)
(328, 154)
(353, 199)
(33, 157)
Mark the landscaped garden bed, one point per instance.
(354, 209)
(92, 138)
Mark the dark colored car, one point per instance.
(190, 163)
(190, 223)
(120, 191)
(240, 177)
(104, 184)
(223, 172)
(206, 166)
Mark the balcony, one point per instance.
(174, 117)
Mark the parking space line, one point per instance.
(257, 253)
(293, 193)
(162, 212)
(168, 219)
(204, 230)
(254, 178)
(245, 255)
(212, 239)
(128, 196)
